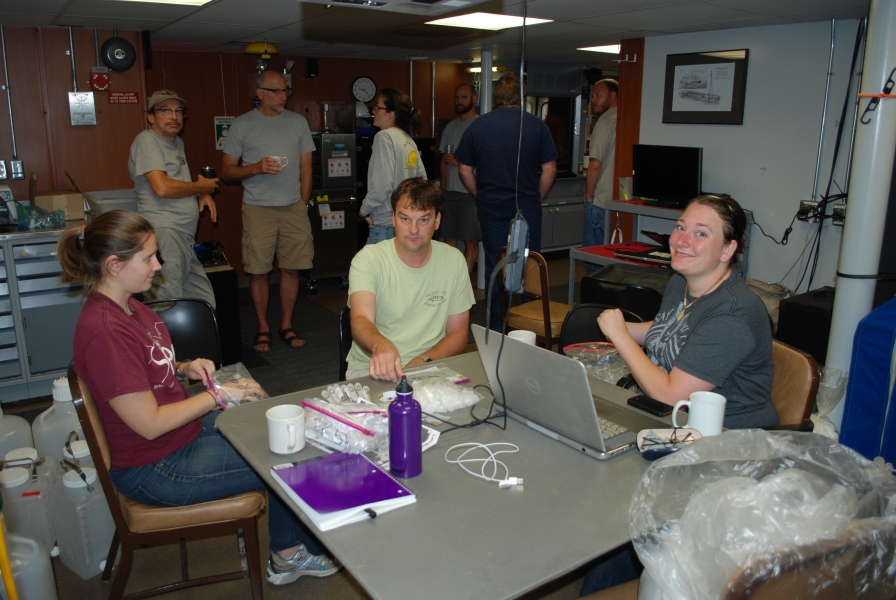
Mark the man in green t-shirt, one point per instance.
(410, 296)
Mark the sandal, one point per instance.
(289, 340)
(262, 338)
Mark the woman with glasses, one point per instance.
(161, 437)
(711, 333)
(394, 158)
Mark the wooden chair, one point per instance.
(794, 385)
(542, 316)
(825, 570)
(139, 524)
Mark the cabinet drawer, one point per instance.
(10, 370)
(41, 284)
(7, 337)
(6, 322)
(30, 251)
(5, 307)
(7, 354)
(37, 268)
(4, 290)
(2, 270)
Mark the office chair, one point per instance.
(137, 525)
(345, 340)
(193, 327)
(794, 386)
(580, 324)
(641, 300)
(542, 316)
(826, 570)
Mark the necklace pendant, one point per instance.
(680, 315)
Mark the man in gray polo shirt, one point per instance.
(169, 199)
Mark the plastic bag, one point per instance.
(601, 360)
(440, 396)
(730, 500)
(35, 217)
(345, 426)
(234, 386)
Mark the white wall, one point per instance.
(768, 163)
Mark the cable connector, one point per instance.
(510, 481)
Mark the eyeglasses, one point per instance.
(373, 109)
(652, 441)
(279, 91)
(167, 112)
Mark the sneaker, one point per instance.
(286, 570)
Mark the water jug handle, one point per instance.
(68, 466)
(68, 446)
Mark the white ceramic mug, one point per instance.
(286, 428)
(521, 335)
(706, 412)
(281, 160)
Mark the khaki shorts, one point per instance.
(285, 230)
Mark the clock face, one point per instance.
(364, 89)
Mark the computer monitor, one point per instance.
(670, 175)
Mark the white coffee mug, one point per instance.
(281, 160)
(706, 412)
(521, 335)
(286, 428)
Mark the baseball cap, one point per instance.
(160, 96)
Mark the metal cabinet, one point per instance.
(563, 215)
(38, 314)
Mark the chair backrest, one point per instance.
(193, 327)
(795, 383)
(828, 570)
(345, 340)
(580, 324)
(643, 301)
(535, 279)
(97, 442)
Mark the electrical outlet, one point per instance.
(18, 170)
(839, 214)
(808, 211)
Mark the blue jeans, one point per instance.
(594, 230)
(208, 469)
(495, 223)
(617, 567)
(378, 233)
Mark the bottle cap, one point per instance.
(21, 454)
(61, 391)
(404, 387)
(79, 449)
(12, 477)
(73, 480)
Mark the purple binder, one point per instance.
(340, 481)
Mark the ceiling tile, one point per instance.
(262, 13)
(13, 19)
(204, 33)
(663, 17)
(792, 7)
(127, 10)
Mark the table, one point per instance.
(464, 537)
(601, 255)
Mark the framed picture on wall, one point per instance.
(706, 87)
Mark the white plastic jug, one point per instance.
(32, 570)
(26, 493)
(15, 432)
(80, 453)
(51, 427)
(84, 526)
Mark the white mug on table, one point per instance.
(522, 335)
(706, 412)
(286, 428)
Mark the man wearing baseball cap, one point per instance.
(169, 199)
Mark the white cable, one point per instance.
(491, 460)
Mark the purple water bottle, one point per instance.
(405, 424)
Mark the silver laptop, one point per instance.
(552, 394)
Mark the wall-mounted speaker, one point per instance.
(310, 68)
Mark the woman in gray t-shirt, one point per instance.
(711, 333)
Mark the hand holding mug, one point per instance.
(272, 165)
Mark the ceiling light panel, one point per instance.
(488, 21)
(425, 8)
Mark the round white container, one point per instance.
(15, 432)
(84, 526)
(51, 427)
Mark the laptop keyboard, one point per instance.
(610, 429)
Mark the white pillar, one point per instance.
(869, 189)
(485, 105)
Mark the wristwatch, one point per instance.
(425, 358)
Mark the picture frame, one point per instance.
(706, 87)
